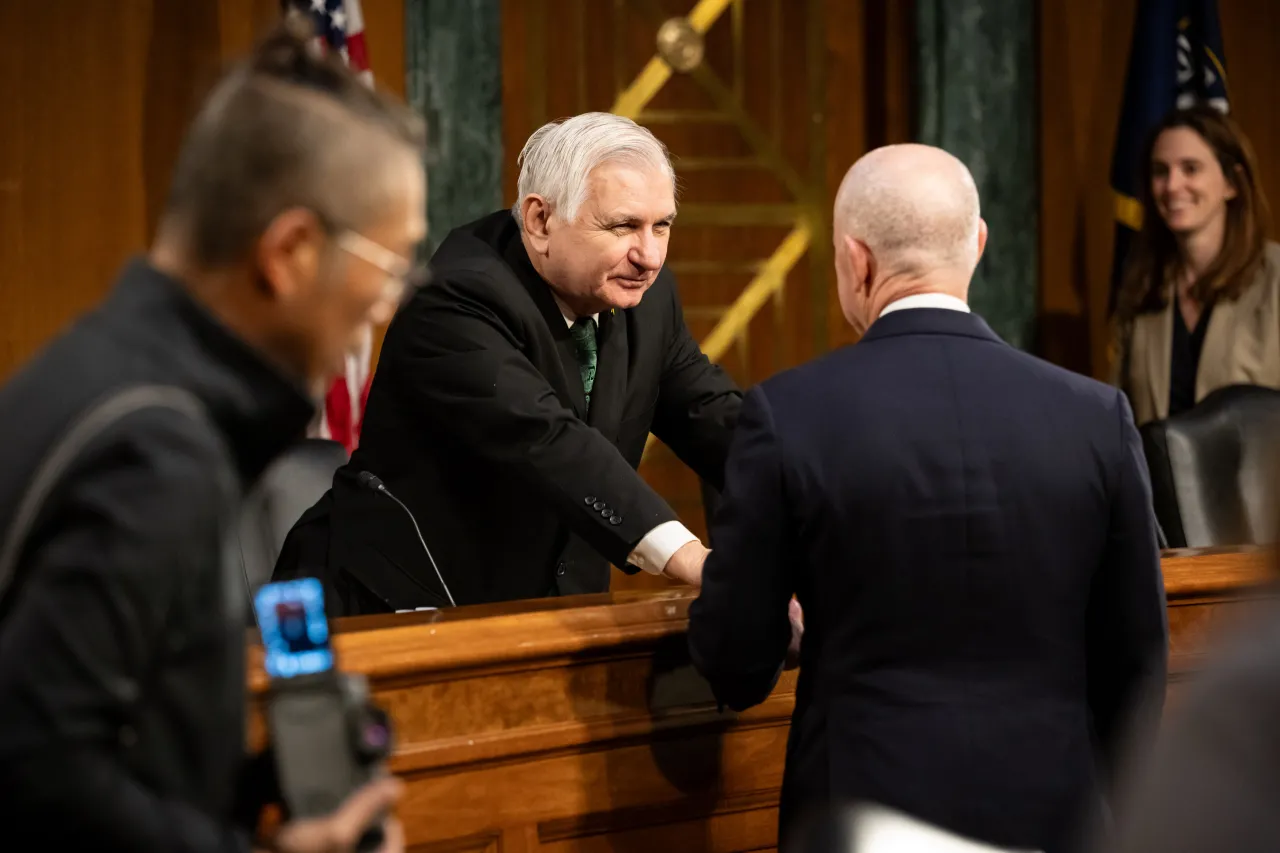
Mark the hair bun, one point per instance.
(291, 52)
(298, 23)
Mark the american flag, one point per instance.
(339, 26)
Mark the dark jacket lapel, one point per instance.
(571, 378)
(567, 381)
(609, 392)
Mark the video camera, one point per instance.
(329, 739)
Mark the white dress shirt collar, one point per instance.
(569, 317)
(927, 300)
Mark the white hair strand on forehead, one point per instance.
(560, 156)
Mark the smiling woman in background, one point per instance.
(1200, 304)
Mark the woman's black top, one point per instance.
(1187, 344)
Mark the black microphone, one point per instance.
(371, 481)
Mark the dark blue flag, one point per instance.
(1175, 60)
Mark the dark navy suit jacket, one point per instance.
(969, 531)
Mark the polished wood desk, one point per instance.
(1208, 591)
(578, 724)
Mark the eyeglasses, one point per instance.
(403, 276)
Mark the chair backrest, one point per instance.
(287, 489)
(1214, 471)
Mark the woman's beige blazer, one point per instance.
(1241, 346)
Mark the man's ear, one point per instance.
(863, 262)
(982, 239)
(535, 215)
(288, 252)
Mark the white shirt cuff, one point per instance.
(657, 546)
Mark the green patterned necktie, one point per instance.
(583, 332)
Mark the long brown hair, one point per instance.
(1153, 259)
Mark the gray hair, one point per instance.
(916, 208)
(560, 156)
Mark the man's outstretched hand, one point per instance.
(686, 563)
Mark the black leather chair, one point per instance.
(1215, 475)
(285, 491)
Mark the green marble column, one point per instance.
(453, 53)
(977, 99)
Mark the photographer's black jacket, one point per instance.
(122, 641)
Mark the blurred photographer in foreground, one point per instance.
(296, 204)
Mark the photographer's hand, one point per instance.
(341, 831)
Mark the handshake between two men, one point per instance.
(686, 565)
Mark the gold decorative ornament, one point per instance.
(680, 48)
(680, 45)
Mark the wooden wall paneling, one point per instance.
(1082, 68)
(1250, 34)
(184, 59)
(519, 48)
(888, 56)
(384, 36)
(93, 128)
(1063, 326)
(73, 198)
(869, 98)
(242, 23)
(759, 58)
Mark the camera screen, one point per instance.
(295, 632)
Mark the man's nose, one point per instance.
(648, 251)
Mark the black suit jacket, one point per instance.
(969, 531)
(477, 421)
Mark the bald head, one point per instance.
(914, 206)
(906, 222)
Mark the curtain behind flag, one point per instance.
(339, 26)
(1175, 60)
